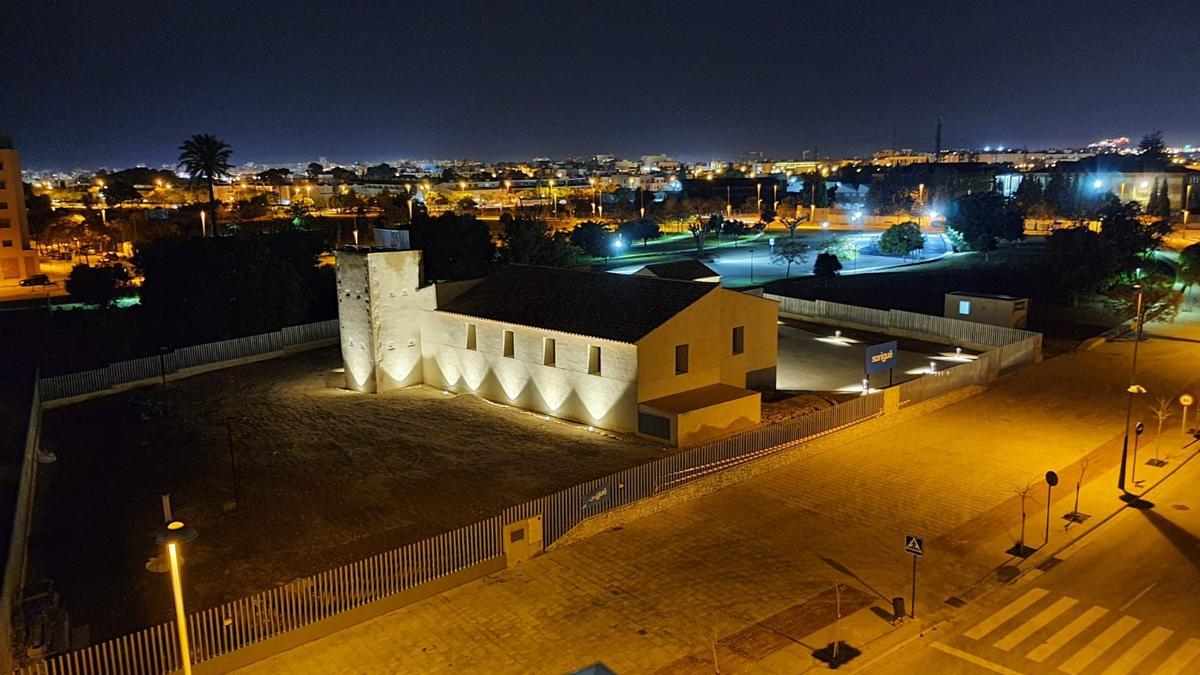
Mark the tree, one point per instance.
(205, 158)
(699, 230)
(118, 192)
(532, 242)
(96, 285)
(255, 207)
(791, 223)
(1128, 239)
(198, 290)
(901, 239)
(314, 170)
(1029, 196)
(1152, 146)
(1160, 300)
(594, 238)
(826, 267)
(1189, 266)
(1163, 210)
(39, 208)
(454, 247)
(1078, 260)
(644, 229)
(983, 219)
(734, 228)
(789, 252)
(1054, 195)
(845, 248)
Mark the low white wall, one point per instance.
(566, 389)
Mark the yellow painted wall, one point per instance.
(707, 328)
(698, 426)
(17, 260)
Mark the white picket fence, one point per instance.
(149, 368)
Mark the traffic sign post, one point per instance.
(914, 546)
(1137, 437)
(1185, 400)
(1051, 481)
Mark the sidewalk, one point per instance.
(652, 596)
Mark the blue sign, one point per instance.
(882, 358)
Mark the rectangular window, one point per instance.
(3, 206)
(681, 359)
(593, 360)
(547, 351)
(508, 344)
(654, 425)
(471, 344)
(964, 307)
(3, 185)
(5, 223)
(739, 339)
(8, 243)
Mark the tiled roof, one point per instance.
(689, 270)
(619, 307)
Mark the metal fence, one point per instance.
(239, 624)
(150, 367)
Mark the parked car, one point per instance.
(36, 280)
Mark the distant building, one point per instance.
(683, 270)
(678, 361)
(903, 157)
(997, 310)
(18, 260)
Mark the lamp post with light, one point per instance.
(1132, 389)
(174, 534)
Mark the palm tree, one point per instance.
(206, 158)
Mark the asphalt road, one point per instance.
(1126, 599)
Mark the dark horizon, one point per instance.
(95, 87)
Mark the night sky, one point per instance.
(91, 84)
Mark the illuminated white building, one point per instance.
(681, 361)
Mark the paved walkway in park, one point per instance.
(664, 592)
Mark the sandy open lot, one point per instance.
(326, 477)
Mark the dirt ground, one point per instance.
(326, 477)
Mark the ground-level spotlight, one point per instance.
(932, 367)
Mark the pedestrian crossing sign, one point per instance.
(914, 545)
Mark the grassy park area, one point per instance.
(326, 477)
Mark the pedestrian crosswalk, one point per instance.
(1061, 633)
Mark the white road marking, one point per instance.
(1041, 620)
(971, 658)
(1102, 643)
(1140, 650)
(1009, 611)
(1180, 658)
(1068, 633)
(1137, 597)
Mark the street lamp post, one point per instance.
(173, 534)
(1133, 389)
